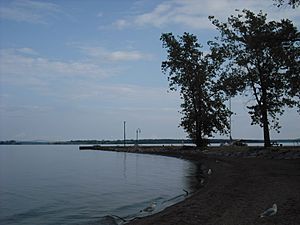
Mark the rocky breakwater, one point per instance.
(254, 152)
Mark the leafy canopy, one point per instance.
(194, 73)
(293, 3)
(261, 58)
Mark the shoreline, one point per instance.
(244, 182)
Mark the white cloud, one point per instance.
(126, 56)
(114, 56)
(27, 51)
(25, 65)
(100, 14)
(29, 11)
(121, 95)
(194, 13)
(18, 110)
(70, 80)
(120, 24)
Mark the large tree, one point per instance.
(262, 58)
(193, 73)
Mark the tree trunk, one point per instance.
(198, 133)
(200, 142)
(265, 121)
(267, 141)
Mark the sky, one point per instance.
(72, 69)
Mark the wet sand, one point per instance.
(236, 192)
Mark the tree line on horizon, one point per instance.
(134, 142)
(251, 56)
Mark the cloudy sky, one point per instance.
(78, 69)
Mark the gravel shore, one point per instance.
(243, 183)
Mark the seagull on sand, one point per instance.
(270, 212)
(149, 208)
(209, 172)
(202, 181)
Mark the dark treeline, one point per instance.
(132, 142)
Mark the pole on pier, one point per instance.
(138, 131)
(124, 133)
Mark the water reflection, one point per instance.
(124, 165)
(67, 186)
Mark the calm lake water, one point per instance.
(51, 184)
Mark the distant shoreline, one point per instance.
(142, 142)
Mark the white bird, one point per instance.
(209, 172)
(202, 181)
(150, 208)
(270, 212)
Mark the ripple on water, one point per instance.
(62, 185)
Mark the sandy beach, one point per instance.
(238, 189)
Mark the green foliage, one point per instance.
(194, 73)
(293, 3)
(261, 58)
